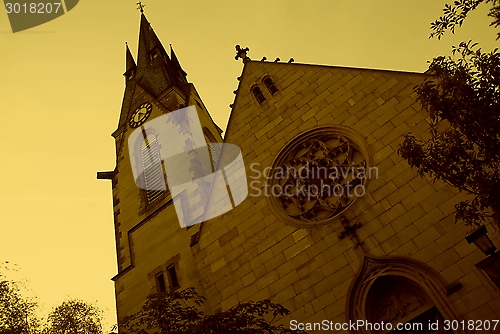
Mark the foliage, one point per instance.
(245, 318)
(178, 313)
(76, 317)
(456, 14)
(173, 312)
(17, 315)
(462, 99)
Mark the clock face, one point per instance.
(140, 115)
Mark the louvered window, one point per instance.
(153, 171)
(214, 150)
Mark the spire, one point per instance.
(175, 62)
(129, 62)
(148, 41)
(155, 70)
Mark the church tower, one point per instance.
(154, 253)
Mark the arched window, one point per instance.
(268, 82)
(257, 92)
(152, 167)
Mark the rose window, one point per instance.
(319, 174)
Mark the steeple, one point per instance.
(148, 43)
(175, 62)
(129, 60)
(155, 70)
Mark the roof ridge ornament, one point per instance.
(242, 53)
(140, 7)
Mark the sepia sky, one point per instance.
(61, 88)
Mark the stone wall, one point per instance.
(250, 253)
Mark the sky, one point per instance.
(61, 88)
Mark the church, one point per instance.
(335, 225)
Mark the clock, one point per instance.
(140, 115)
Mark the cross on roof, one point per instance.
(140, 6)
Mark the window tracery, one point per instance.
(319, 174)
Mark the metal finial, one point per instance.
(140, 6)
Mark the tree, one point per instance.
(173, 312)
(74, 316)
(17, 314)
(178, 312)
(456, 14)
(246, 318)
(462, 98)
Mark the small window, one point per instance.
(130, 75)
(491, 268)
(172, 278)
(161, 287)
(268, 82)
(257, 92)
(154, 54)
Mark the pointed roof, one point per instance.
(129, 59)
(155, 68)
(175, 62)
(154, 73)
(147, 42)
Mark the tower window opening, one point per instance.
(130, 75)
(160, 283)
(172, 278)
(154, 54)
(257, 92)
(213, 149)
(268, 82)
(152, 167)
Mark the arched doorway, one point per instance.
(399, 295)
(398, 301)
